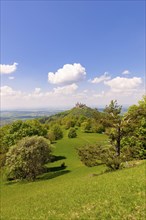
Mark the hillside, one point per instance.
(78, 112)
(77, 192)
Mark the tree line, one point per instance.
(25, 146)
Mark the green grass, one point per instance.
(75, 193)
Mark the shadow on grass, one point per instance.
(45, 176)
(56, 158)
(55, 169)
(51, 175)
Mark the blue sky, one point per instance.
(55, 53)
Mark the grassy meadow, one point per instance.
(76, 192)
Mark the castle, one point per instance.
(80, 105)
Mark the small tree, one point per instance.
(114, 121)
(72, 133)
(86, 126)
(90, 155)
(57, 132)
(93, 155)
(136, 129)
(51, 136)
(26, 159)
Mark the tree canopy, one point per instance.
(26, 159)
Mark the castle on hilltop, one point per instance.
(80, 105)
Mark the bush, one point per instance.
(100, 129)
(57, 132)
(111, 159)
(72, 133)
(51, 136)
(93, 155)
(2, 160)
(90, 155)
(86, 126)
(26, 159)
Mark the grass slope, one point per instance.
(75, 193)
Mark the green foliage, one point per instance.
(97, 128)
(116, 123)
(69, 123)
(136, 129)
(86, 126)
(86, 193)
(11, 134)
(51, 136)
(73, 117)
(26, 159)
(72, 133)
(58, 133)
(93, 155)
(90, 155)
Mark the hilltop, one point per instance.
(79, 112)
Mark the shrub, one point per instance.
(57, 132)
(72, 133)
(51, 136)
(100, 129)
(90, 155)
(86, 126)
(93, 155)
(26, 159)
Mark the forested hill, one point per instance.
(79, 112)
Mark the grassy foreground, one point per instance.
(74, 192)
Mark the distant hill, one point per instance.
(79, 111)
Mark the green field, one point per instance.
(77, 192)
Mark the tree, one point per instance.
(72, 133)
(51, 136)
(114, 121)
(11, 134)
(90, 155)
(26, 159)
(86, 126)
(56, 129)
(136, 129)
(69, 123)
(93, 155)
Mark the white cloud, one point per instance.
(37, 90)
(11, 77)
(102, 78)
(70, 73)
(126, 72)
(124, 85)
(7, 69)
(65, 90)
(8, 91)
(124, 90)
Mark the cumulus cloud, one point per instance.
(126, 72)
(70, 73)
(7, 69)
(121, 84)
(8, 91)
(102, 78)
(65, 90)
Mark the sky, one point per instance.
(57, 53)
